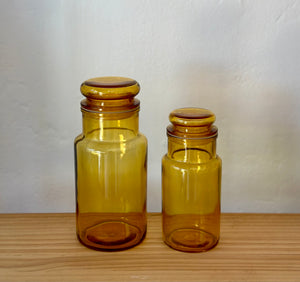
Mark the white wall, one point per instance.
(238, 58)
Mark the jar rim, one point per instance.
(213, 133)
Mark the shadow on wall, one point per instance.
(258, 137)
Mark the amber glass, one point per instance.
(191, 182)
(110, 166)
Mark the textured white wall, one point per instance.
(238, 58)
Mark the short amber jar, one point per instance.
(191, 182)
(110, 166)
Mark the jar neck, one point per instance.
(110, 126)
(191, 150)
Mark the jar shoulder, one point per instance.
(142, 138)
(78, 138)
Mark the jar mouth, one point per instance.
(122, 106)
(192, 133)
(192, 138)
(110, 112)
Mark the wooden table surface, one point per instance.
(253, 247)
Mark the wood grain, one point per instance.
(253, 247)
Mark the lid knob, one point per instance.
(110, 88)
(192, 123)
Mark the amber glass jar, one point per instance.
(110, 166)
(191, 182)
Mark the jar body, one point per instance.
(191, 183)
(111, 180)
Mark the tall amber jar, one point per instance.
(191, 182)
(110, 166)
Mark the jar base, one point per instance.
(111, 236)
(191, 240)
